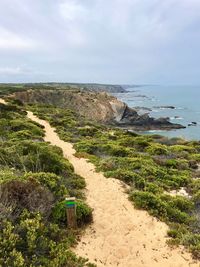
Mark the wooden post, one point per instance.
(71, 212)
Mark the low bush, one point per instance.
(34, 181)
(30, 242)
(159, 207)
(157, 149)
(54, 183)
(150, 165)
(34, 157)
(182, 148)
(16, 195)
(150, 202)
(83, 213)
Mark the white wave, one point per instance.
(180, 108)
(156, 131)
(176, 118)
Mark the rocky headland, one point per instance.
(97, 106)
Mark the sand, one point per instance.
(120, 234)
(180, 192)
(2, 101)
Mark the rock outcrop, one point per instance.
(99, 107)
(131, 119)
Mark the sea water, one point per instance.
(184, 99)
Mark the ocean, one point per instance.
(184, 99)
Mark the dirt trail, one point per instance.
(2, 101)
(120, 235)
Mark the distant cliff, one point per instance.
(97, 87)
(99, 107)
(110, 88)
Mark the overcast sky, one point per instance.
(111, 41)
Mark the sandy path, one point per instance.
(120, 235)
(2, 101)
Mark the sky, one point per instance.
(105, 41)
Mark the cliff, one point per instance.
(99, 107)
(96, 87)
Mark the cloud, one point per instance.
(100, 40)
(72, 10)
(10, 70)
(13, 41)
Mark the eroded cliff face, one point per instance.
(96, 106)
(99, 107)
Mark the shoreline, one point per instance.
(179, 110)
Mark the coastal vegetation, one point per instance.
(6, 89)
(35, 178)
(153, 167)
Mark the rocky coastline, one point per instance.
(131, 119)
(97, 106)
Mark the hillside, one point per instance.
(159, 175)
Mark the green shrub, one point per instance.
(115, 150)
(140, 183)
(83, 213)
(150, 202)
(8, 243)
(196, 197)
(177, 231)
(196, 157)
(6, 174)
(152, 187)
(87, 131)
(141, 142)
(182, 203)
(35, 157)
(31, 242)
(193, 242)
(20, 125)
(53, 182)
(175, 215)
(180, 164)
(86, 147)
(59, 212)
(76, 182)
(182, 148)
(157, 149)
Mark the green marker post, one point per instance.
(70, 203)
